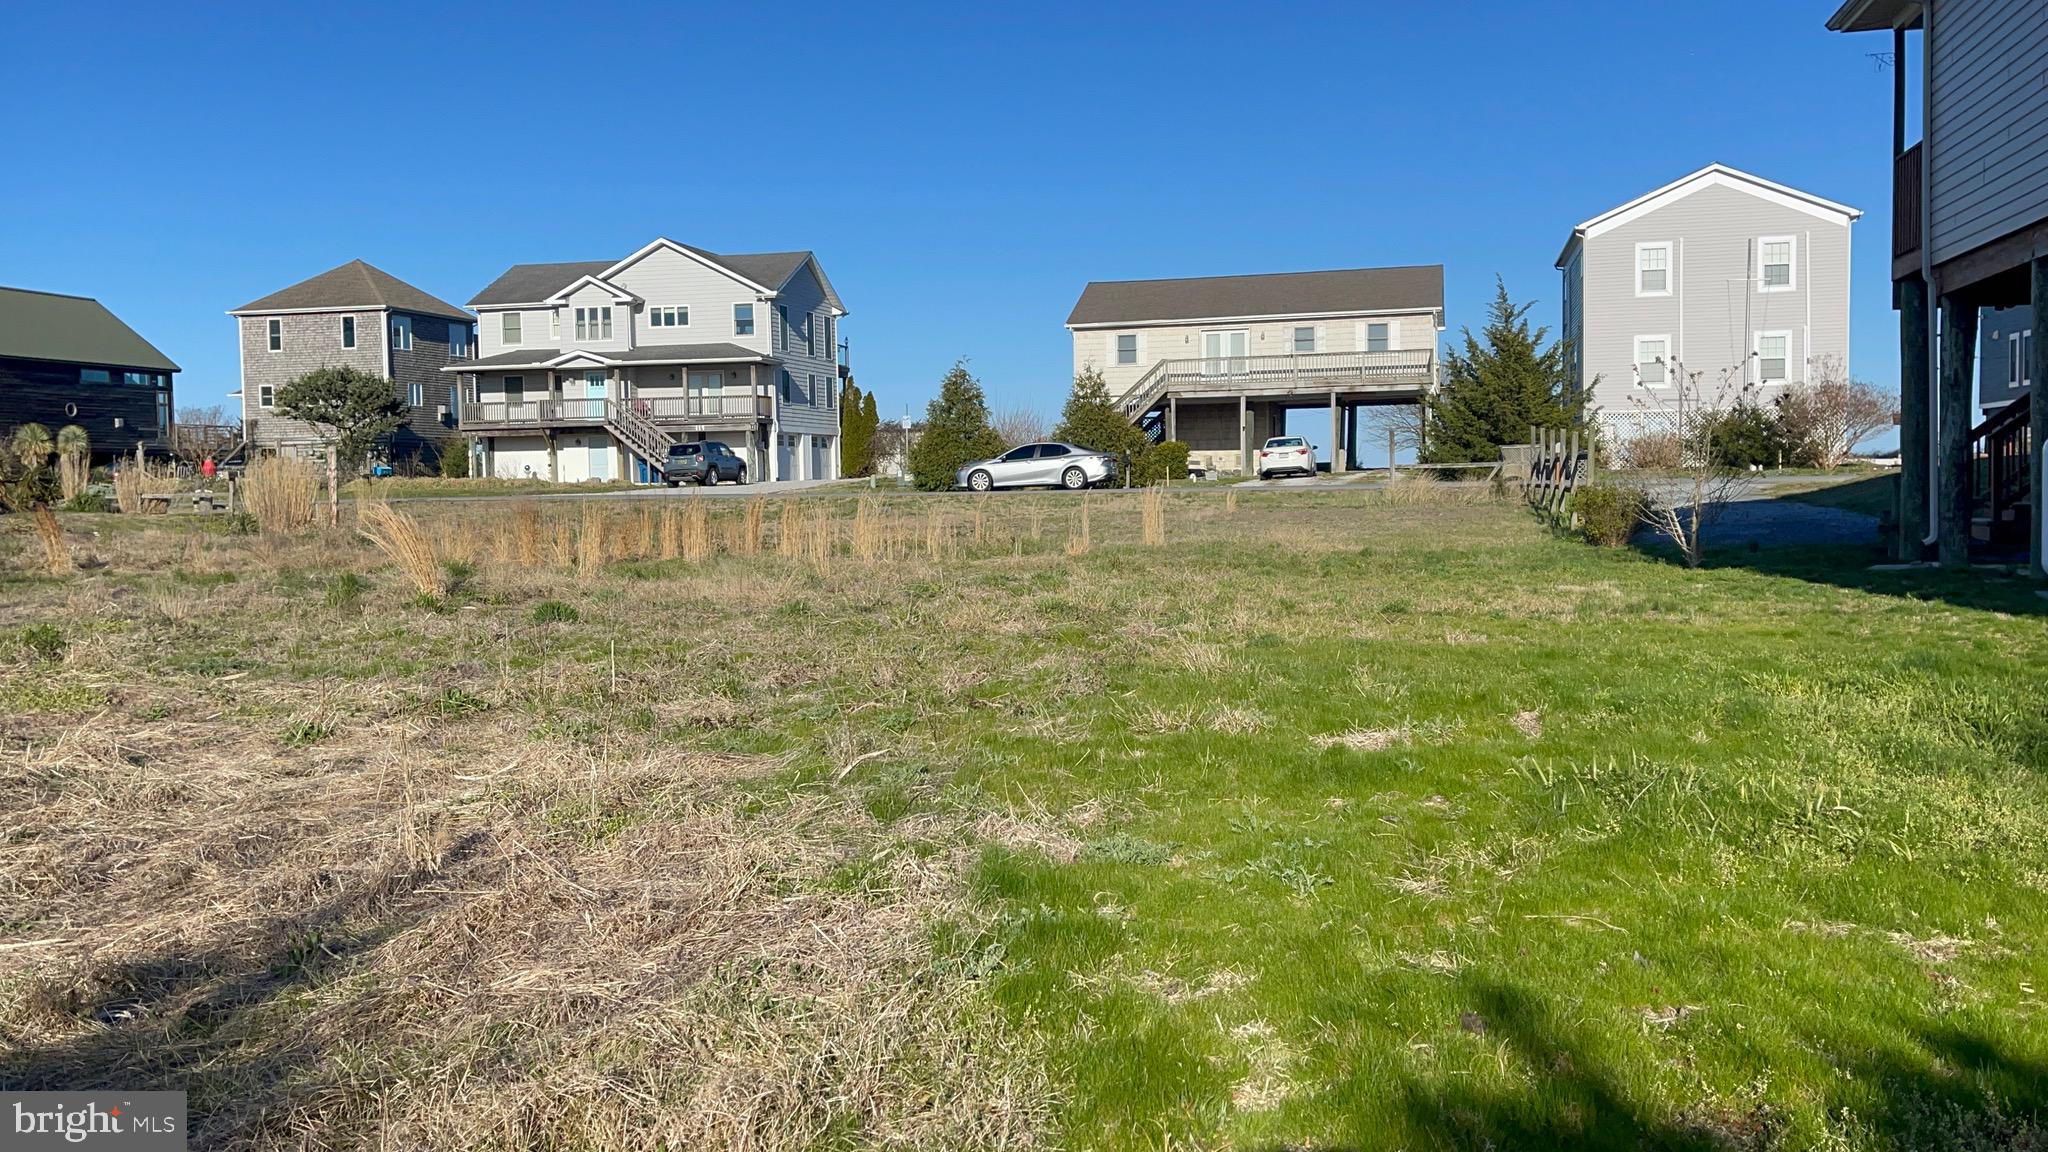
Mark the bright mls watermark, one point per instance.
(115, 1121)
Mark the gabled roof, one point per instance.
(618, 294)
(353, 285)
(1284, 294)
(71, 330)
(1712, 176)
(766, 272)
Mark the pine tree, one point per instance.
(856, 435)
(871, 426)
(956, 431)
(1092, 420)
(1494, 391)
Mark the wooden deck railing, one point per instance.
(483, 415)
(1303, 372)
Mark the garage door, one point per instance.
(785, 457)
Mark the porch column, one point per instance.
(1244, 436)
(1351, 435)
(554, 460)
(1952, 460)
(1336, 435)
(1173, 417)
(2038, 401)
(1915, 433)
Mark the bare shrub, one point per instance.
(1823, 420)
(137, 480)
(1020, 426)
(1706, 484)
(283, 495)
(398, 536)
(1651, 450)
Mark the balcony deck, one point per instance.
(741, 411)
(1355, 377)
(1906, 193)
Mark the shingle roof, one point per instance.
(354, 285)
(657, 353)
(531, 283)
(684, 352)
(71, 329)
(1276, 294)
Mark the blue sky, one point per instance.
(961, 171)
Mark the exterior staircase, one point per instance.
(638, 432)
(2002, 481)
(1149, 390)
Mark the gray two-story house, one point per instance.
(592, 370)
(363, 317)
(1720, 276)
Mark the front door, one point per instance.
(1223, 353)
(707, 390)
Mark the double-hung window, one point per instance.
(458, 341)
(1127, 348)
(813, 322)
(508, 327)
(348, 331)
(593, 323)
(788, 388)
(668, 317)
(401, 333)
(416, 394)
(276, 334)
(782, 318)
(2019, 372)
(1653, 361)
(1304, 339)
(266, 395)
(1773, 357)
(1653, 269)
(815, 398)
(743, 319)
(1379, 335)
(1775, 257)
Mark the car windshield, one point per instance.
(1286, 442)
(683, 450)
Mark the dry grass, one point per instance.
(697, 532)
(50, 534)
(283, 495)
(1152, 515)
(135, 480)
(1081, 541)
(398, 536)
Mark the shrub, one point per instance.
(1608, 514)
(239, 524)
(282, 494)
(555, 612)
(1657, 451)
(1745, 436)
(88, 501)
(1156, 462)
(455, 461)
(42, 642)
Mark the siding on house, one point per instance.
(1096, 347)
(1714, 311)
(50, 393)
(1997, 383)
(1988, 171)
(669, 279)
(809, 410)
(311, 340)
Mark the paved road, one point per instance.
(1772, 522)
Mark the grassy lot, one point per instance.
(1332, 822)
(1871, 495)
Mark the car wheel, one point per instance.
(980, 481)
(672, 483)
(742, 477)
(1073, 479)
(710, 477)
(1265, 475)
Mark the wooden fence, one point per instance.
(1560, 461)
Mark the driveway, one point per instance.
(1768, 521)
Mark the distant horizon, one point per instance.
(961, 176)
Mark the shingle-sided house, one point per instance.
(592, 370)
(1217, 362)
(364, 317)
(1722, 274)
(67, 360)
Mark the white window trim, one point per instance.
(1636, 360)
(1645, 246)
(753, 323)
(266, 396)
(347, 325)
(509, 338)
(1137, 349)
(1756, 356)
(669, 316)
(1363, 334)
(555, 324)
(273, 334)
(401, 340)
(1315, 339)
(1792, 268)
(416, 394)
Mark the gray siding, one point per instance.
(810, 410)
(1989, 122)
(313, 340)
(1712, 313)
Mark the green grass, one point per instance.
(1330, 824)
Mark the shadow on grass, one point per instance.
(207, 1021)
(1935, 1087)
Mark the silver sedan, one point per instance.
(1049, 463)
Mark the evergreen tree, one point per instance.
(354, 407)
(853, 436)
(1092, 420)
(871, 426)
(956, 431)
(1496, 389)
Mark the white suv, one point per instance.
(1286, 454)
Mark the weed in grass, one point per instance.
(398, 536)
(56, 556)
(554, 612)
(41, 643)
(282, 494)
(345, 591)
(305, 733)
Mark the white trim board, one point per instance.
(1712, 176)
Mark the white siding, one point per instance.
(1989, 132)
(533, 331)
(667, 279)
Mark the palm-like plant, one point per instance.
(74, 459)
(32, 445)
